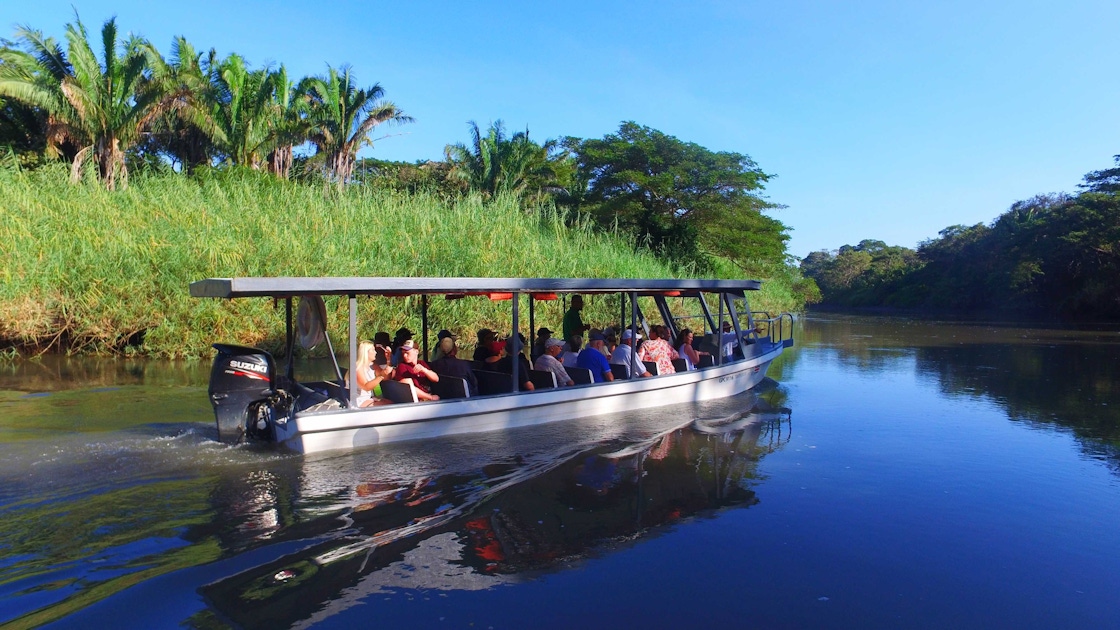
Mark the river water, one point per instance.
(894, 473)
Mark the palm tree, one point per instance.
(103, 106)
(288, 126)
(497, 163)
(341, 118)
(188, 135)
(243, 110)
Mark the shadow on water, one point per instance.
(503, 523)
(124, 496)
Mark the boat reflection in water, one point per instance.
(502, 524)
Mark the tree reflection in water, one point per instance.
(503, 524)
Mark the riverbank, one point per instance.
(89, 271)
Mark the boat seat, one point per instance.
(581, 376)
(621, 372)
(651, 367)
(542, 379)
(398, 391)
(449, 387)
(706, 360)
(491, 383)
(680, 365)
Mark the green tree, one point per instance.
(341, 118)
(104, 105)
(187, 136)
(23, 130)
(497, 163)
(289, 126)
(679, 198)
(243, 111)
(1103, 181)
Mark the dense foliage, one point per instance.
(126, 103)
(1054, 256)
(678, 198)
(109, 109)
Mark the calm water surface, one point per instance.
(898, 474)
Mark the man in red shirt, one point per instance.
(411, 369)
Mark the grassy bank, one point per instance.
(86, 270)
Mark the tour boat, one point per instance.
(252, 400)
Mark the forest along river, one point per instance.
(899, 473)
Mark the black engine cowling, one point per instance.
(246, 397)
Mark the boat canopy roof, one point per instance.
(295, 287)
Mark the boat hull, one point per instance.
(354, 428)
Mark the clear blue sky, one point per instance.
(882, 119)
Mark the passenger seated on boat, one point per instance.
(624, 354)
(612, 341)
(549, 362)
(437, 354)
(729, 341)
(657, 350)
(512, 349)
(603, 348)
(484, 354)
(690, 355)
(414, 371)
(450, 364)
(591, 358)
(368, 374)
(538, 349)
(403, 334)
(571, 351)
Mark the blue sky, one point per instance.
(888, 120)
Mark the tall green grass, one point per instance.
(87, 270)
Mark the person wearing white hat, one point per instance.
(550, 363)
(624, 354)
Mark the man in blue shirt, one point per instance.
(592, 358)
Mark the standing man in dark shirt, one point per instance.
(573, 321)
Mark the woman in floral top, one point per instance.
(658, 349)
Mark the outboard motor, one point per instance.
(246, 397)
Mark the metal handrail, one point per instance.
(775, 327)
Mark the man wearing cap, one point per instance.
(450, 364)
(411, 369)
(550, 363)
(443, 334)
(484, 354)
(538, 349)
(729, 340)
(592, 358)
(624, 354)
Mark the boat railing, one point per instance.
(778, 329)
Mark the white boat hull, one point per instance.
(354, 428)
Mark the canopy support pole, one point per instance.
(515, 342)
(352, 373)
(290, 339)
(424, 322)
(719, 332)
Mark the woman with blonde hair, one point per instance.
(367, 376)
